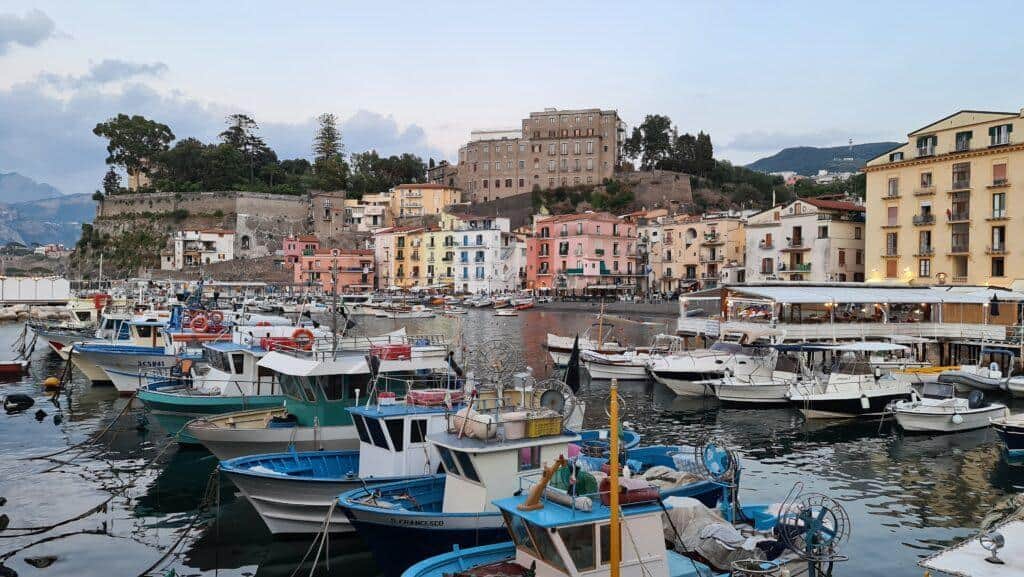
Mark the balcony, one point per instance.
(795, 268)
(928, 150)
(924, 219)
(960, 185)
(891, 251)
(960, 249)
(960, 216)
(1001, 140)
(925, 191)
(892, 195)
(925, 251)
(959, 280)
(713, 239)
(998, 215)
(599, 251)
(766, 244)
(1000, 183)
(891, 224)
(796, 244)
(574, 271)
(544, 272)
(996, 249)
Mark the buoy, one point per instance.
(958, 419)
(17, 402)
(865, 403)
(51, 383)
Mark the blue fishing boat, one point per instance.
(294, 492)
(595, 442)
(428, 516)
(1011, 430)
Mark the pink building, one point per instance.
(573, 252)
(297, 246)
(355, 270)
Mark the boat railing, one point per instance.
(582, 502)
(325, 348)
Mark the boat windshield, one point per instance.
(787, 364)
(851, 364)
(736, 349)
(938, 391)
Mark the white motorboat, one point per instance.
(506, 313)
(982, 378)
(939, 410)
(740, 353)
(631, 364)
(560, 347)
(759, 390)
(852, 389)
(406, 312)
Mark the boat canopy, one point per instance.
(867, 347)
(823, 294)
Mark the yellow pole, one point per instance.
(615, 555)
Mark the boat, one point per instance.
(738, 352)
(758, 389)
(996, 550)
(293, 491)
(14, 368)
(430, 515)
(630, 364)
(319, 385)
(523, 303)
(939, 410)
(923, 375)
(501, 302)
(61, 337)
(983, 378)
(506, 313)
(853, 388)
(406, 312)
(560, 347)
(595, 442)
(480, 302)
(227, 379)
(1010, 429)
(454, 310)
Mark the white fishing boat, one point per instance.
(853, 388)
(939, 410)
(760, 390)
(739, 353)
(631, 364)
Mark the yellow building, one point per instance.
(938, 205)
(700, 251)
(413, 200)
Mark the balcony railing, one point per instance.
(960, 216)
(1000, 140)
(959, 280)
(574, 271)
(923, 219)
(892, 193)
(963, 184)
(998, 215)
(1000, 182)
(928, 150)
(891, 251)
(960, 248)
(766, 244)
(924, 191)
(599, 251)
(925, 251)
(795, 243)
(996, 249)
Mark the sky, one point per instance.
(418, 77)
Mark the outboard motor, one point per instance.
(976, 400)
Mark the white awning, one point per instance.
(822, 294)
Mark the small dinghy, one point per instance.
(982, 378)
(939, 410)
(13, 368)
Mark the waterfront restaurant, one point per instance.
(953, 324)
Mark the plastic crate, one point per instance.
(543, 426)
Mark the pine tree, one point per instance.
(327, 142)
(111, 182)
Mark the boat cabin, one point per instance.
(393, 438)
(236, 366)
(318, 392)
(478, 470)
(560, 540)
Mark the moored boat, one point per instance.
(939, 410)
(1011, 430)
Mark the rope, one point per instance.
(91, 439)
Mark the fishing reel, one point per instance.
(814, 526)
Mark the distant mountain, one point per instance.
(17, 188)
(57, 220)
(808, 160)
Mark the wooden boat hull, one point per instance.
(247, 434)
(174, 411)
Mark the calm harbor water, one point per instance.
(139, 503)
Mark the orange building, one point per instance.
(355, 270)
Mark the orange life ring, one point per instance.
(263, 324)
(303, 338)
(216, 317)
(99, 300)
(199, 324)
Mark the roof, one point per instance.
(427, 185)
(397, 229)
(399, 410)
(307, 238)
(344, 252)
(555, 515)
(859, 293)
(834, 204)
(959, 112)
(604, 216)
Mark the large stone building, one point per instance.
(809, 239)
(551, 148)
(939, 207)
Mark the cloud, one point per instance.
(105, 72)
(48, 136)
(28, 30)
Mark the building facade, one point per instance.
(820, 240)
(194, 248)
(425, 199)
(551, 148)
(298, 246)
(354, 271)
(939, 206)
(575, 252)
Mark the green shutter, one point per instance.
(1009, 128)
(991, 131)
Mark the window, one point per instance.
(856, 233)
(565, 148)
(361, 428)
(497, 166)
(926, 180)
(842, 257)
(377, 433)
(576, 147)
(823, 231)
(891, 244)
(447, 460)
(520, 534)
(551, 166)
(926, 145)
(896, 157)
(466, 463)
(522, 183)
(924, 267)
(606, 542)
(891, 268)
(546, 547)
(238, 362)
(998, 238)
(565, 164)
(963, 141)
(508, 183)
(894, 187)
(579, 541)
(860, 257)
(998, 266)
(893, 214)
(522, 164)
(999, 205)
(417, 430)
(1000, 134)
(551, 149)
(529, 458)
(590, 164)
(962, 175)
(396, 430)
(999, 174)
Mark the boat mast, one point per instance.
(600, 328)
(334, 308)
(613, 501)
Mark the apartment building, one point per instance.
(700, 252)
(551, 148)
(368, 213)
(298, 246)
(940, 205)
(353, 270)
(487, 257)
(423, 199)
(582, 251)
(809, 239)
(194, 248)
